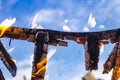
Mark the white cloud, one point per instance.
(77, 77)
(51, 53)
(10, 50)
(66, 28)
(46, 15)
(22, 70)
(34, 20)
(108, 76)
(27, 61)
(35, 24)
(86, 29)
(8, 22)
(91, 21)
(21, 73)
(101, 49)
(96, 73)
(101, 26)
(66, 20)
(24, 62)
(107, 11)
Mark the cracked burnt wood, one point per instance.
(113, 62)
(40, 56)
(55, 38)
(116, 69)
(110, 63)
(91, 52)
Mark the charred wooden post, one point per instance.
(40, 56)
(113, 62)
(110, 63)
(29, 34)
(1, 75)
(91, 52)
(7, 60)
(116, 69)
(57, 38)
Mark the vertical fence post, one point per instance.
(40, 56)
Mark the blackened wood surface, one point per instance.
(7, 60)
(40, 54)
(91, 52)
(116, 69)
(110, 63)
(29, 34)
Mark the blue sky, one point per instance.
(68, 62)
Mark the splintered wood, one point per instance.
(113, 62)
(8, 61)
(91, 52)
(116, 69)
(40, 68)
(79, 37)
(40, 56)
(110, 63)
